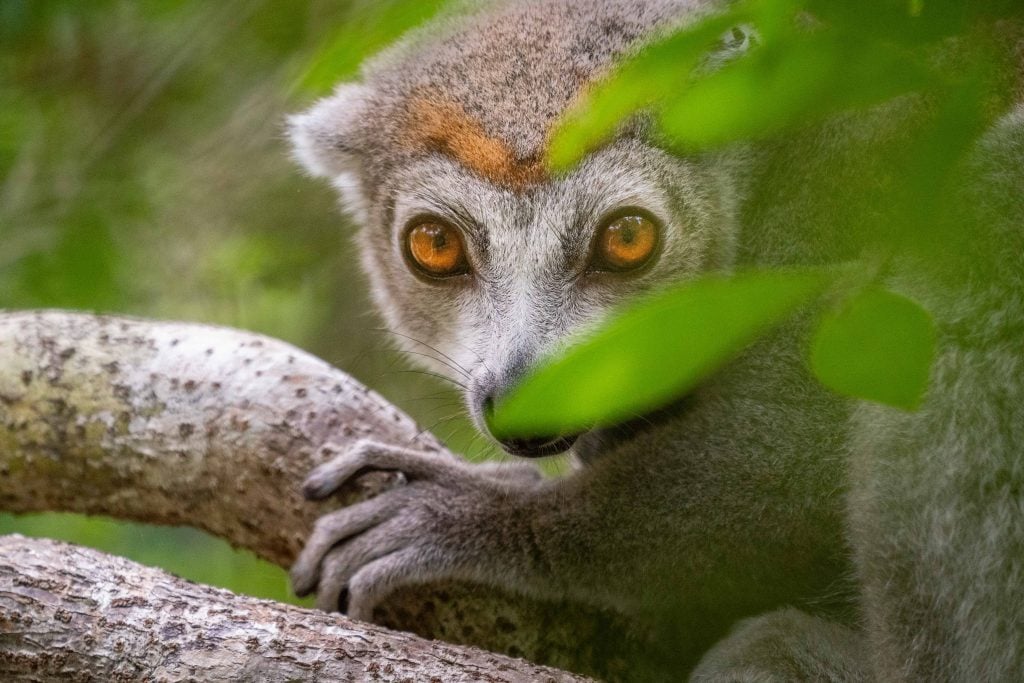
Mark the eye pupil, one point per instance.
(626, 243)
(435, 249)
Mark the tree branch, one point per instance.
(177, 423)
(71, 613)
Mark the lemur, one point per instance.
(759, 490)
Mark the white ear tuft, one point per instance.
(325, 137)
(327, 140)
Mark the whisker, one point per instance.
(440, 395)
(444, 406)
(459, 371)
(475, 457)
(432, 425)
(455, 363)
(433, 374)
(561, 466)
(452, 433)
(643, 417)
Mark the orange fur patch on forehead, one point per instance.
(445, 127)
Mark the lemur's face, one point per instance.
(481, 260)
(482, 278)
(482, 281)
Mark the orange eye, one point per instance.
(626, 243)
(436, 249)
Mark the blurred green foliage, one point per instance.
(806, 60)
(373, 26)
(654, 352)
(810, 58)
(182, 551)
(877, 345)
(143, 170)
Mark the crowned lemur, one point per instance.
(760, 489)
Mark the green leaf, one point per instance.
(652, 353)
(651, 75)
(786, 84)
(878, 346)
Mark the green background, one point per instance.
(144, 170)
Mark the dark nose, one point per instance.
(533, 447)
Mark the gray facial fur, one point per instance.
(530, 290)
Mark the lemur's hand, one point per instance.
(425, 528)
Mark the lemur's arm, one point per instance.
(710, 510)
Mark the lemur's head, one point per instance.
(473, 249)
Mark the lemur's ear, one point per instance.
(325, 136)
(327, 140)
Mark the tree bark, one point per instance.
(73, 614)
(178, 423)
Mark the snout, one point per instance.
(534, 447)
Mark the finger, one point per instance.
(334, 528)
(330, 476)
(342, 562)
(381, 577)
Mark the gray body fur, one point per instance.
(759, 490)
